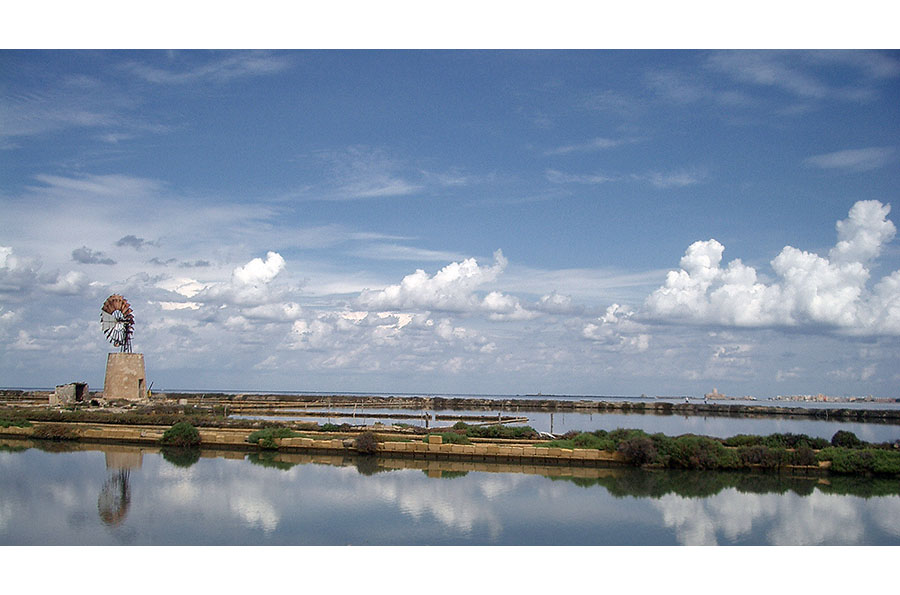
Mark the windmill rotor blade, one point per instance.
(111, 304)
(107, 321)
(116, 302)
(117, 321)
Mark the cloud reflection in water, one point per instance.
(336, 501)
(790, 519)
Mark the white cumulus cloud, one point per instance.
(249, 285)
(809, 290)
(451, 289)
(617, 330)
(183, 286)
(258, 271)
(16, 275)
(557, 303)
(19, 276)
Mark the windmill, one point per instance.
(117, 321)
(125, 374)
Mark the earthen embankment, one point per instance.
(259, 402)
(390, 444)
(511, 405)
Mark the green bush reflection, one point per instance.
(180, 457)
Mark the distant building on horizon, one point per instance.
(715, 394)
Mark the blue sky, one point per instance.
(582, 222)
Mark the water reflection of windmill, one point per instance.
(115, 495)
(125, 374)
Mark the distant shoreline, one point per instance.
(239, 402)
(808, 400)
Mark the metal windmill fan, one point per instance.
(117, 321)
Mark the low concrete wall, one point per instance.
(434, 449)
(494, 451)
(237, 438)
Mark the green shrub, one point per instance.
(763, 456)
(868, 460)
(265, 438)
(19, 423)
(800, 440)
(450, 438)
(845, 439)
(638, 451)
(501, 431)
(558, 443)
(699, 452)
(182, 434)
(818, 443)
(366, 443)
(742, 440)
(728, 458)
(591, 440)
(599, 439)
(54, 432)
(778, 441)
(804, 455)
(623, 434)
(330, 427)
(786, 440)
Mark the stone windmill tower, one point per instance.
(125, 374)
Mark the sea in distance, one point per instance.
(561, 422)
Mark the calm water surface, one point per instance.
(673, 425)
(130, 496)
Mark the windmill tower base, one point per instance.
(125, 377)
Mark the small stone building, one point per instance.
(66, 394)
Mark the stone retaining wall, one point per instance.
(434, 449)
